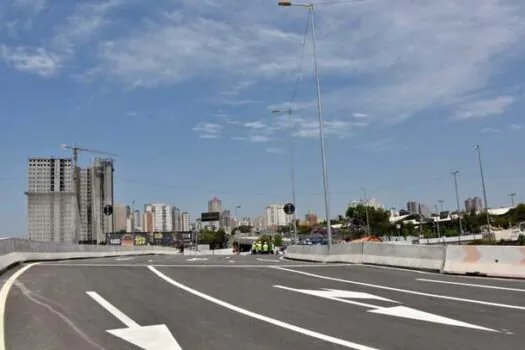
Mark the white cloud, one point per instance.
(516, 127)
(255, 125)
(238, 138)
(489, 130)
(484, 108)
(258, 138)
(208, 130)
(382, 145)
(32, 6)
(25, 59)
(360, 115)
(274, 150)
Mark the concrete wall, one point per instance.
(500, 261)
(16, 250)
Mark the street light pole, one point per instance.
(484, 190)
(292, 166)
(237, 218)
(441, 204)
(437, 222)
(311, 8)
(455, 174)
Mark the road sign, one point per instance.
(289, 208)
(108, 209)
(396, 311)
(213, 216)
(145, 337)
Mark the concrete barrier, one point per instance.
(316, 253)
(14, 251)
(496, 261)
(404, 255)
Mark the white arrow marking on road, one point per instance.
(196, 259)
(157, 337)
(397, 311)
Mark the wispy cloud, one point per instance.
(489, 130)
(382, 145)
(255, 125)
(484, 108)
(516, 127)
(360, 115)
(274, 150)
(31, 6)
(208, 130)
(25, 59)
(258, 138)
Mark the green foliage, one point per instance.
(378, 219)
(245, 229)
(278, 240)
(521, 239)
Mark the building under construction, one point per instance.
(61, 211)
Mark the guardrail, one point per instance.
(14, 251)
(496, 261)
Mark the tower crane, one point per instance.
(76, 181)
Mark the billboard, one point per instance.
(213, 216)
(126, 240)
(113, 238)
(162, 238)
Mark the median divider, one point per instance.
(494, 261)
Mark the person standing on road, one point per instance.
(254, 247)
(258, 246)
(265, 247)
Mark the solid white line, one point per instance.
(472, 285)
(3, 299)
(260, 317)
(271, 260)
(507, 306)
(180, 265)
(123, 259)
(113, 310)
(396, 268)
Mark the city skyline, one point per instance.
(404, 104)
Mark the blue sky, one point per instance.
(182, 91)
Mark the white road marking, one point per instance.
(150, 260)
(4, 292)
(113, 310)
(407, 312)
(157, 337)
(396, 311)
(260, 317)
(183, 265)
(472, 285)
(396, 268)
(473, 301)
(271, 260)
(124, 259)
(197, 259)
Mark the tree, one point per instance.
(379, 219)
(278, 240)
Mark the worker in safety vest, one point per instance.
(258, 246)
(265, 248)
(272, 248)
(254, 247)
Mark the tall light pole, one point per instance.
(311, 8)
(441, 204)
(477, 148)
(292, 166)
(455, 175)
(366, 212)
(237, 207)
(437, 222)
(512, 195)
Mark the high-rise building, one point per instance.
(121, 213)
(214, 205)
(413, 207)
(226, 220)
(163, 219)
(137, 221)
(185, 220)
(148, 222)
(274, 216)
(475, 204)
(311, 218)
(50, 199)
(176, 218)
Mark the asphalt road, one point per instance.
(248, 302)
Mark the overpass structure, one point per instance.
(364, 296)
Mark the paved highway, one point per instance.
(247, 302)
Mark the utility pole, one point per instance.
(512, 195)
(455, 174)
(477, 148)
(441, 204)
(437, 223)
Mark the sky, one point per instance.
(182, 91)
